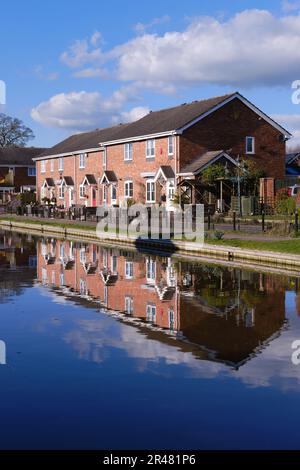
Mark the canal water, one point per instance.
(102, 348)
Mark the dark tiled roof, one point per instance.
(91, 179)
(290, 157)
(69, 180)
(84, 141)
(111, 176)
(168, 171)
(19, 155)
(50, 182)
(199, 162)
(169, 119)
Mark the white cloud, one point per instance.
(91, 73)
(251, 48)
(292, 123)
(290, 6)
(42, 75)
(141, 28)
(134, 114)
(86, 110)
(83, 51)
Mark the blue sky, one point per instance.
(72, 66)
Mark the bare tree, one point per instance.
(13, 132)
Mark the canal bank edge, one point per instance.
(225, 253)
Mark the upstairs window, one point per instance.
(82, 160)
(52, 165)
(170, 145)
(43, 166)
(31, 171)
(60, 164)
(128, 152)
(150, 148)
(250, 145)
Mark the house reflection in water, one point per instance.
(220, 314)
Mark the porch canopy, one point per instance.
(89, 180)
(108, 177)
(205, 160)
(49, 183)
(164, 172)
(68, 181)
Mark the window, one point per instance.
(171, 320)
(151, 313)
(250, 144)
(128, 269)
(43, 166)
(82, 287)
(82, 160)
(150, 270)
(82, 255)
(81, 191)
(150, 148)
(113, 193)
(61, 279)
(170, 145)
(128, 152)
(60, 164)
(52, 165)
(31, 171)
(114, 263)
(150, 187)
(61, 191)
(62, 251)
(104, 193)
(128, 189)
(171, 191)
(128, 305)
(43, 192)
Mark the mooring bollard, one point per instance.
(263, 220)
(296, 222)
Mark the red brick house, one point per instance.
(17, 170)
(147, 159)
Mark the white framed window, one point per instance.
(171, 319)
(82, 287)
(82, 160)
(151, 313)
(105, 255)
(43, 192)
(43, 166)
(60, 164)
(128, 186)
(150, 148)
(52, 165)
(114, 263)
(150, 191)
(128, 150)
(61, 193)
(62, 251)
(61, 279)
(31, 171)
(250, 145)
(170, 145)
(82, 255)
(150, 270)
(171, 191)
(129, 269)
(104, 193)
(128, 305)
(81, 191)
(113, 193)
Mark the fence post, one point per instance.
(263, 220)
(234, 220)
(208, 219)
(296, 222)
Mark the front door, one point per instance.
(94, 197)
(71, 196)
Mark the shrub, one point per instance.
(285, 205)
(218, 234)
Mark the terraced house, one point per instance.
(149, 159)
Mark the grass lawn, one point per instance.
(282, 246)
(56, 223)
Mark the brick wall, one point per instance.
(226, 129)
(93, 165)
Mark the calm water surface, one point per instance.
(106, 349)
